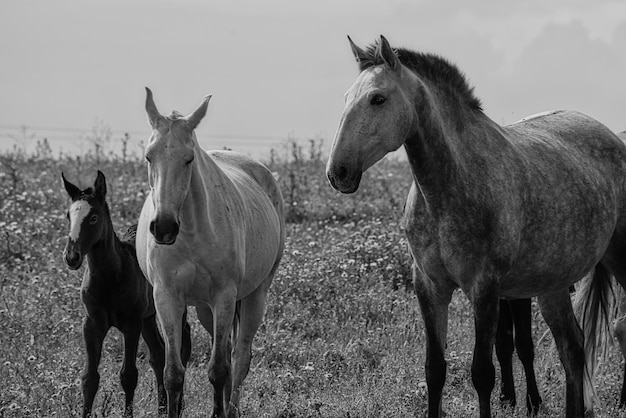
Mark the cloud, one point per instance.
(509, 26)
(564, 68)
(280, 66)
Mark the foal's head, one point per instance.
(87, 217)
(378, 116)
(170, 154)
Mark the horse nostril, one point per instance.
(169, 237)
(331, 179)
(175, 229)
(342, 173)
(164, 229)
(72, 259)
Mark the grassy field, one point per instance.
(342, 336)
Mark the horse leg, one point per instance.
(251, 311)
(619, 332)
(434, 308)
(170, 312)
(185, 353)
(504, 352)
(556, 308)
(522, 319)
(128, 373)
(486, 304)
(220, 362)
(156, 346)
(93, 334)
(205, 316)
(185, 349)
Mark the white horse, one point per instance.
(211, 234)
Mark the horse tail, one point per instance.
(593, 307)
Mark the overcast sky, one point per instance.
(279, 68)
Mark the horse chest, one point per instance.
(455, 243)
(426, 246)
(113, 295)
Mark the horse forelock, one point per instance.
(174, 130)
(432, 67)
(84, 194)
(175, 118)
(175, 115)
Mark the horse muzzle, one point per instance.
(344, 180)
(164, 228)
(73, 259)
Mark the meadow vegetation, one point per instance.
(342, 336)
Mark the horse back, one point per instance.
(572, 135)
(248, 175)
(567, 148)
(261, 202)
(573, 193)
(553, 188)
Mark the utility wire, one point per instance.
(27, 129)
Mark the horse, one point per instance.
(514, 332)
(508, 212)
(114, 292)
(211, 234)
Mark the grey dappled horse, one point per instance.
(515, 212)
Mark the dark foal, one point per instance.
(515, 333)
(114, 292)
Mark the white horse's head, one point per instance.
(170, 154)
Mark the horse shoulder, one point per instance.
(250, 174)
(450, 240)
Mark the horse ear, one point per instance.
(100, 186)
(360, 55)
(153, 113)
(387, 53)
(196, 116)
(71, 190)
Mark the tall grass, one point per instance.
(342, 335)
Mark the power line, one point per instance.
(33, 129)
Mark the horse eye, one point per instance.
(93, 219)
(378, 99)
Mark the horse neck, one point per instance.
(444, 143)
(206, 177)
(104, 259)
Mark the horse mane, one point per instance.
(87, 192)
(432, 67)
(175, 115)
(129, 236)
(127, 240)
